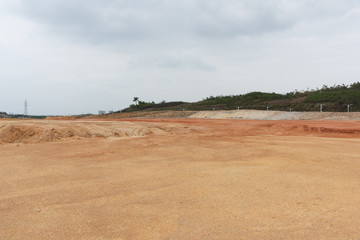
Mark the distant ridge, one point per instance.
(334, 99)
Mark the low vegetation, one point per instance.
(335, 99)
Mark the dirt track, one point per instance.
(179, 179)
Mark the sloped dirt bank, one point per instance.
(33, 131)
(276, 115)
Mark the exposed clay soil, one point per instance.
(31, 131)
(244, 114)
(145, 114)
(179, 179)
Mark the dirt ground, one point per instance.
(244, 114)
(179, 179)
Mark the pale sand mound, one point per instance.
(143, 114)
(225, 114)
(48, 131)
(276, 115)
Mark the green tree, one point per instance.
(136, 101)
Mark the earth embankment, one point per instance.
(39, 131)
(276, 115)
(228, 114)
(35, 131)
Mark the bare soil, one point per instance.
(179, 179)
(144, 114)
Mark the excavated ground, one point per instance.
(230, 114)
(30, 131)
(179, 179)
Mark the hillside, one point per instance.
(335, 99)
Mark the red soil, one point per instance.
(179, 179)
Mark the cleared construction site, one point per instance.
(239, 174)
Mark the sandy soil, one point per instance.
(179, 179)
(144, 114)
(227, 114)
(275, 115)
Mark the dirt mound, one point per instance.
(48, 131)
(311, 128)
(329, 131)
(276, 115)
(229, 114)
(62, 118)
(144, 114)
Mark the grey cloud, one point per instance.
(93, 21)
(242, 18)
(174, 61)
(118, 20)
(184, 62)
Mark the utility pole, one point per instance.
(25, 108)
(321, 107)
(348, 107)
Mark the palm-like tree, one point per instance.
(136, 101)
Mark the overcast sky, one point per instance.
(80, 56)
